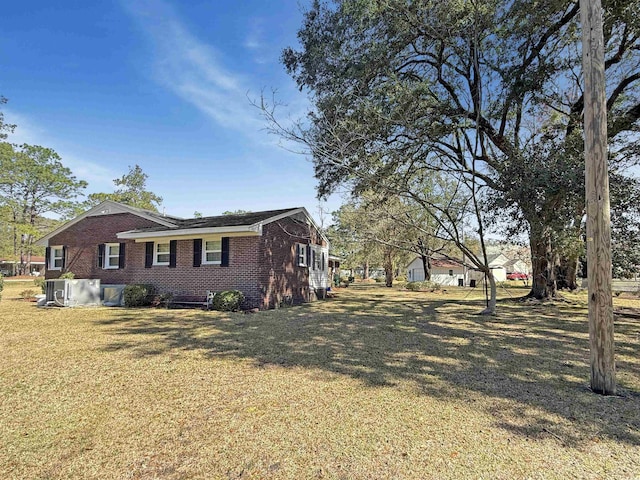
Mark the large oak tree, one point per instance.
(488, 90)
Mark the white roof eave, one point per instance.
(132, 234)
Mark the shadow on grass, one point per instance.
(528, 366)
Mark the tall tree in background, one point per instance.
(33, 182)
(400, 229)
(131, 190)
(5, 128)
(349, 241)
(483, 89)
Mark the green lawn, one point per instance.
(375, 383)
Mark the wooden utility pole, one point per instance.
(603, 370)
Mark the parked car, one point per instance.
(517, 276)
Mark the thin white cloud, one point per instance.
(30, 132)
(193, 70)
(256, 43)
(25, 132)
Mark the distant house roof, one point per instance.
(445, 263)
(497, 260)
(440, 262)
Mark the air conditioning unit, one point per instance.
(72, 292)
(112, 295)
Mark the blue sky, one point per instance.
(161, 84)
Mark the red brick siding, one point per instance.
(264, 268)
(83, 238)
(185, 279)
(280, 276)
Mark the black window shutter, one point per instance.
(308, 255)
(101, 255)
(225, 252)
(64, 256)
(121, 256)
(313, 259)
(173, 253)
(297, 261)
(47, 258)
(197, 252)
(323, 261)
(148, 254)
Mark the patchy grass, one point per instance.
(376, 383)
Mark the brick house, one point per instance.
(273, 257)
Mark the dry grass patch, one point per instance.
(376, 383)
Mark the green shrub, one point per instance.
(163, 300)
(138, 295)
(422, 286)
(228, 300)
(27, 294)
(40, 282)
(68, 275)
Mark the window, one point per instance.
(301, 251)
(56, 262)
(451, 273)
(212, 252)
(161, 254)
(111, 255)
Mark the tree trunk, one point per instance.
(426, 264)
(365, 271)
(388, 268)
(543, 262)
(567, 272)
(493, 296)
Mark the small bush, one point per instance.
(163, 300)
(228, 300)
(40, 282)
(68, 275)
(138, 295)
(422, 286)
(29, 293)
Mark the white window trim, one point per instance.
(53, 258)
(205, 251)
(301, 247)
(155, 253)
(105, 261)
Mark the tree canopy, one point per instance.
(485, 92)
(131, 190)
(34, 182)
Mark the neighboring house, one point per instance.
(10, 267)
(498, 260)
(443, 272)
(517, 266)
(273, 257)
